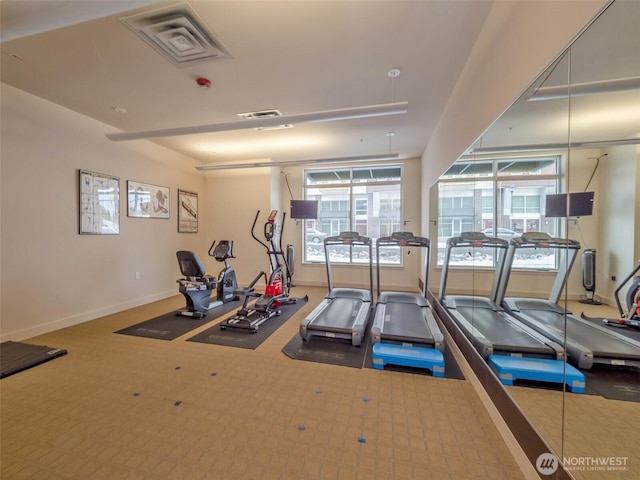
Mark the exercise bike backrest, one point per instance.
(190, 265)
(223, 251)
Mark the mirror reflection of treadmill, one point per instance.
(344, 312)
(404, 330)
(513, 350)
(586, 343)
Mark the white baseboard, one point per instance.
(51, 326)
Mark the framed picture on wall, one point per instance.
(147, 201)
(187, 212)
(99, 203)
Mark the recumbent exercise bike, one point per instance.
(197, 287)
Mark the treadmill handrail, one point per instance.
(474, 239)
(568, 247)
(351, 239)
(404, 239)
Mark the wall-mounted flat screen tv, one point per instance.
(304, 209)
(581, 204)
(555, 205)
(578, 204)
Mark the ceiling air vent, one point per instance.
(262, 114)
(178, 34)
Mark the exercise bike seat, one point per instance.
(193, 269)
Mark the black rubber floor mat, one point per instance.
(615, 383)
(171, 326)
(334, 351)
(242, 338)
(16, 356)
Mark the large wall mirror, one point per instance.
(564, 160)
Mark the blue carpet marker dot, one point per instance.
(318, 391)
(362, 440)
(136, 394)
(366, 399)
(177, 404)
(302, 428)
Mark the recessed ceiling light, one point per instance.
(119, 110)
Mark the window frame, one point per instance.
(354, 218)
(497, 180)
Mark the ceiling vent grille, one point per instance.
(178, 34)
(262, 114)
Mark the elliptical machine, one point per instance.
(631, 316)
(276, 293)
(197, 287)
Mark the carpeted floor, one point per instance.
(119, 406)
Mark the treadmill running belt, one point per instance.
(339, 315)
(409, 323)
(500, 331)
(599, 343)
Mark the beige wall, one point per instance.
(233, 199)
(52, 276)
(620, 207)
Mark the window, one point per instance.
(367, 200)
(502, 198)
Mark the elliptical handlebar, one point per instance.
(253, 227)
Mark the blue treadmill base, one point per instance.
(427, 358)
(509, 369)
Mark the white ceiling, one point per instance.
(297, 57)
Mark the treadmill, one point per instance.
(586, 343)
(344, 312)
(513, 350)
(404, 330)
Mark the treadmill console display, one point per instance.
(404, 239)
(472, 236)
(348, 238)
(536, 237)
(544, 240)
